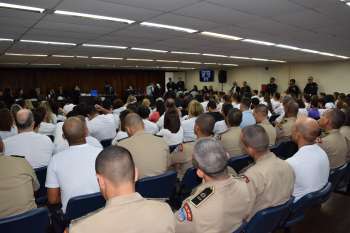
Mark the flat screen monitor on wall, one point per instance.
(206, 75)
(94, 93)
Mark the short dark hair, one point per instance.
(39, 116)
(226, 109)
(255, 137)
(234, 117)
(6, 121)
(211, 104)
(122, 116)
(116, 164)
(118, 103)
(246, 102)
(143, 111)
(262, 108)
(336, 117)
(107, 104)
(172, 120)
(347, 116)
(206, 123)
(292, 109)
(254, 102)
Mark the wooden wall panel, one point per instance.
(47, 79)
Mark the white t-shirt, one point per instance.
(102, 127)
(311, 169)
(170, 138)
(36, 148)
(89, 140)
(150, 127)
(68, 108)
(7, 134)
(204, 105)
(120, 135)
(220, 127)
(47, 128)
(188, 128)
(160, 122)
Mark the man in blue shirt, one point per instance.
(247, 115)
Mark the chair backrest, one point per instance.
(336, 175)
(268, 220)
(190, 179)
(82, 205)
(106, 143)
(240, 162)
(41, 175)
(161, 186)
(33, 221)
(285, 149)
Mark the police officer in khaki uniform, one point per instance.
(125, 211)
(222, 202)
(284, 129)
(230, 139)
(260, 113)
(271, 179)
(17, 185)
(332, 141)
(150, 153)
(182, 159)
(345, 129)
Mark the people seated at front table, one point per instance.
(310, 163)
(36, 148)
(222, 202)
(125, 210)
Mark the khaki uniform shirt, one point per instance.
(17, 185)
(284, 129)
(181, 160)
(128, 214)
(336, 146)
(216, 207)
(270, 130)
(231, 141)
(150, 153)
(345, 131)
(272, 181)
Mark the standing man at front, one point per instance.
(311, 87)
(272, 87)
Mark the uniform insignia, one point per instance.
(246, 179)
(185, 213)
(202, 196)
(18, 156)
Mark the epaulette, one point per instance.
(243, 177)
(18, 156)
(202, 196)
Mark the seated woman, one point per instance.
(313, 111)
(172, 131)
(7, 127)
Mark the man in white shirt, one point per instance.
(101, 126)
(221, 126)
(71, 172)
(310, 163)
(150, 127)
(36, 148)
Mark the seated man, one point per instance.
(231, 138)
(17, 185)
(332, 141)
(222, 202)
(101, 126)
(150, 153)
(71, 172)
(247, 115)
(271, 179)
(36, 148)
(260, 113)
(221, 126)
(310, 163)
(212, 110)
(150, 127)
(125, 210)
(284, 128)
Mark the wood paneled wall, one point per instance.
(86, 79)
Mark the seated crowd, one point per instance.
(200, 129)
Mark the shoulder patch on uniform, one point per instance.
(18, 156)
(185, 213)
(245, 178)
(202, 196)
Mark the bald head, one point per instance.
(24, 120)
(306, 129)
(133, 123)
(74, 131)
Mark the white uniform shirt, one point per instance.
(150, 127)
(36, 148)
(47, 128)
(220, 127)
(170, 138)
(73, 171)
(102, 127)
(204, 105)
(160, 122)
(188, 128)
(89, 140)
(68, 108)
(120, 136)
(7, 134)
(311, 169)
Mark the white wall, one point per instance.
(331, 76)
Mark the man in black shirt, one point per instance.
(293, 89)
(245, 90)
(311, 87)
(213, 111)
(272, 87)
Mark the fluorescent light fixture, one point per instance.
(64, 56)
(43, 64)
(104, 46)
(168, 67)
(259, 42)
(191, 62)
(213, 55)
(327, 54)
(186, 53)
(21, 7)
(259, 59)
(170, 61)
(138, 59)
(108, 58)
(157, 25)
(4, 39)
(343, 57)
(279, 61)
(26, 54)
(149, 50)
(242, 58)
(13, 63)
(283, 46)
(98, 17)
(47, 42)
(310, 51)
(222, 36)
(209, 63)
(187, 68)
(81, 56)
(229, 64)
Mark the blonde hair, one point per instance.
(47, 106)
(28, 104)
(195, 108)
(146, 102)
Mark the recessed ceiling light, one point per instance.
(157, 25)
(47, 42)
(283, 46)
(149, 50)
(170, 61)
(348, 3)
(191, 62)
(186, 53)
(98, 17)
(108, 58)
(26, 54)
(242, 58)
(138, 59)
(213, 55)
(260, 42)
(222, 36)
(21, 7)
(104, 46)
(63, 56)
(4, 39)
